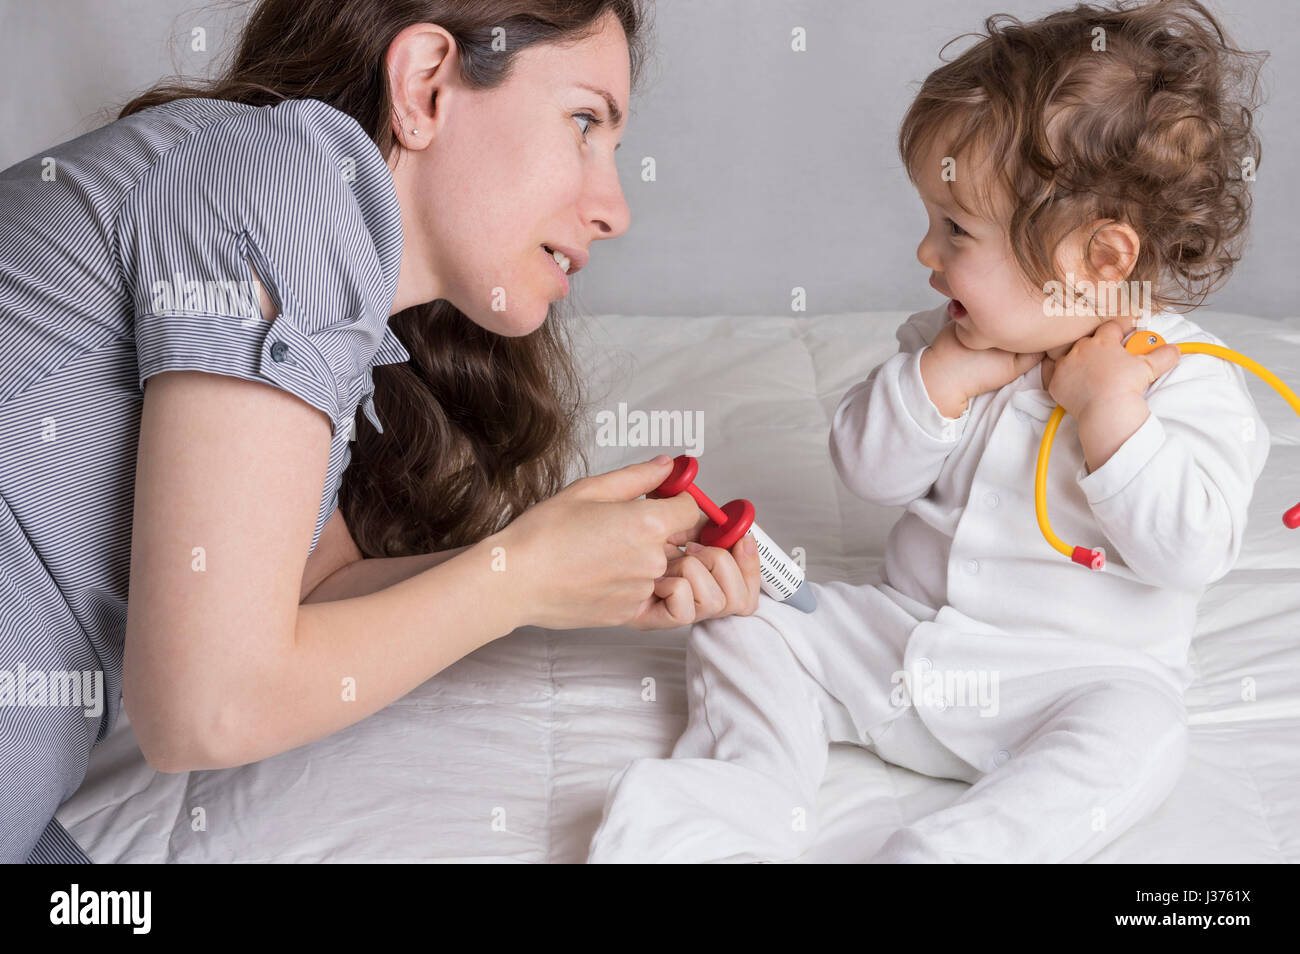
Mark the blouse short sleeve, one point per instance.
(299, 193)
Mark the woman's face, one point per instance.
(494, 175)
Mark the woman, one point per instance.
(195, 299)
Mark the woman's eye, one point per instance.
(591, 119)
(955, 229)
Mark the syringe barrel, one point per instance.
(781, 576)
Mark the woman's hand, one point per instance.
(595, 555)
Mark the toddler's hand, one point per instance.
(961, 373)
(1098, 368)
(703, 583)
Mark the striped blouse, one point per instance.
(124, 253)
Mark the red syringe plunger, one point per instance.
(731, 521)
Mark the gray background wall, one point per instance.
(774, 168)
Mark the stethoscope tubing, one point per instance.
(1141, 342)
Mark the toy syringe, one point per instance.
(781, 578)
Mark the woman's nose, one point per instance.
(609, 210)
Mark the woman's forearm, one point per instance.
(367, 576)
(353, 656)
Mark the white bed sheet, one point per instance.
(505, 757)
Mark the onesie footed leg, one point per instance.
(742, 781)
(681, 811)
(1094, 766)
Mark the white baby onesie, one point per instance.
(984, 655)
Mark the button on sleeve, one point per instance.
(263, 195)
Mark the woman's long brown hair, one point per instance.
(477, 426)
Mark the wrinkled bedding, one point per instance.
(505, 757)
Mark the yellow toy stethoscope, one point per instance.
(1141, 342)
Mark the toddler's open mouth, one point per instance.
(956, 310)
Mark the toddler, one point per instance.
(1082, 176)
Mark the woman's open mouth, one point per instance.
(956, 310)
(561, 269)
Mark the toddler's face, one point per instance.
(993, 306)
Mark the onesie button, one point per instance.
(991, 501)
(279, 350)
(972, 567)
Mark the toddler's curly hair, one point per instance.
(1138, 114)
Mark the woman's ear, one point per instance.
(421, 62)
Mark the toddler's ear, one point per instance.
(1114, 250)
